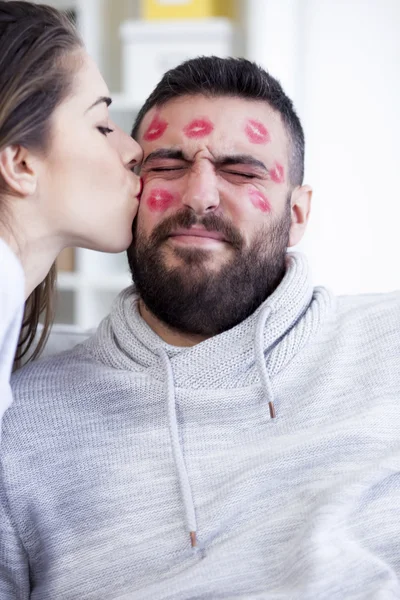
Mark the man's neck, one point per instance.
(168, 335)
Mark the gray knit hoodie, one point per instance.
(118, 454)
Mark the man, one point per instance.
(229, 431)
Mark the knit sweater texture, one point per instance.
(118, 455)
(12, 283)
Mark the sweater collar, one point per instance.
(292, 314)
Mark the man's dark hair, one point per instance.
(212, 76)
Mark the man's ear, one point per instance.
(18, 171)
(300, 211)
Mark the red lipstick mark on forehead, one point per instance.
(260, 201)
(159, 200)
(256, 132)
(278, 173)
(155, 129)
(198, 128)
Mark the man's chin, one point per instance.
(176, 255)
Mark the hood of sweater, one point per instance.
(259, 346)
(249, 354)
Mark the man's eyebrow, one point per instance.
(105, 99)
(220, 161)
(240, 159)
(171, 153)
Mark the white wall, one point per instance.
(340, 62)
(349, 103)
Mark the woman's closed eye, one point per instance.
(104, 130)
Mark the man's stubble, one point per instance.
(194, 297)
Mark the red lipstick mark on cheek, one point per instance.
(278, 173)
(256, 132)
(198, 128)
(155, 129)
(259, 201)
(159, 200)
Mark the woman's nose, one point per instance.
(129, 150)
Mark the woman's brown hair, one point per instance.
(35, 77)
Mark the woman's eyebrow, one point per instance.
(100, 100)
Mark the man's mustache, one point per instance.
(186, 218)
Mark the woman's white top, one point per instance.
(12, 284)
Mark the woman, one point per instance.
(65, 172)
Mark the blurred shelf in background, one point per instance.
(85, 294)
(150, 48)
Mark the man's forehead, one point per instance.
(222, 111)
(221, 126)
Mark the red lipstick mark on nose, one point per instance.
(198, 128)
(278, 173)
(159, 200)
(256, 132)
(155, 129)
(259, 201)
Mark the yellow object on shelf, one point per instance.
(187, 9)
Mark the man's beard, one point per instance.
(195, 298)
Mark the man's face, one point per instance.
(215, 215)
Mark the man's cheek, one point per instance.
(259, 201)
(158, 199)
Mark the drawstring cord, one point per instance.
(260, 360)
(184, 483)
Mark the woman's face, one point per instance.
(86, 188)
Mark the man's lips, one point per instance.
(197, 232)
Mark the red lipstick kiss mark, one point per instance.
(159, 200)
(256, 132)
(278, 173)
(198, 128)
(155, 129)
(259, 201)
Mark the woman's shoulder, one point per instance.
(12, 283)
(11, 310)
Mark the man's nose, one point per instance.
(201, 193)
(129, 150)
